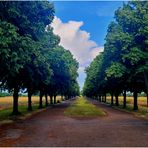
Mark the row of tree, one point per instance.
(30, 55)
(123, 66)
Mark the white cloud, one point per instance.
(95, 51)
(77, 41)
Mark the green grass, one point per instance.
(142, 109)
(5, 114)
(7, 102)
(83, 108)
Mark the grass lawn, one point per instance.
(142, 105)
(83, 108)
(6, 107)
(5, 114)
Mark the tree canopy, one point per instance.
(123, 66)
(30, 55)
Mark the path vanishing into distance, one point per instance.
(52, 128)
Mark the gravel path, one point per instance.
(52, 128)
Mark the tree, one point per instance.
(94, 77)
(27, 29)
(133, 20)
(64, 72)
(116, 72)
(124, 65)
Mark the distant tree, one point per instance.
(64, 72)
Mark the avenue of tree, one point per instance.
(123, 66)
(30, 56)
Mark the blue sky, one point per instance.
(82, 26)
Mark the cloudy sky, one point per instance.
(82, 27)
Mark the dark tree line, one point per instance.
(123, 66)
(30, 55)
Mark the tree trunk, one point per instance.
(40, 102)
(124, 99)
(51, 100)
(112, 99)
(117, 100)
(55, 99)
(100, 98)
(135, 100)
(46, 100)
(62, 97)
(15, 101)
(147, 99)
(105, 98)
(29, 100)
(97, 97)
(146, 85)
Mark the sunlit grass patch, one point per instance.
(83, 108)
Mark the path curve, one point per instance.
(52, 128)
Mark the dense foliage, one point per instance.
(123, 66)
(30, 57)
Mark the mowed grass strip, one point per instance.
(83, 108)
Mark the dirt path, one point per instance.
(52, 128)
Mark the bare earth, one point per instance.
(52, 128)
